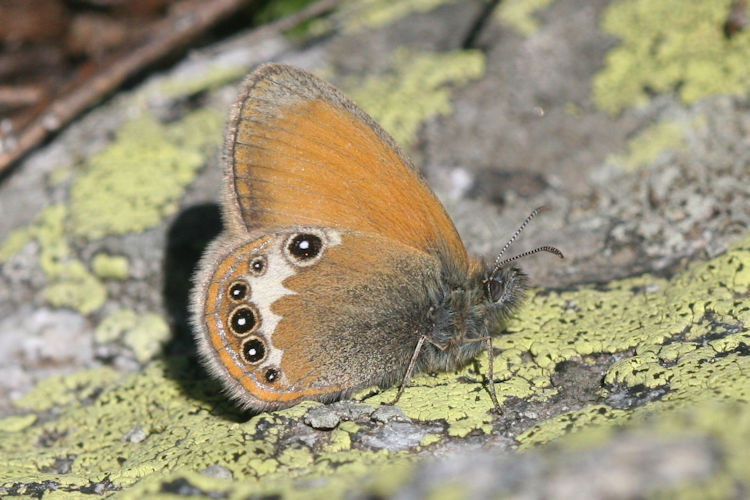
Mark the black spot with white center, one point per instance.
(258, 265)
(305, 246)
(271, 375)
(238, 291)
(243, 320)
(254, 350)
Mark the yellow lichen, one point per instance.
(110, 266)
(519, 14)
(137, 180)
(16, 423)
(71, 284)
(207, 80)
(418, 88)
(651, 142)
(429, 439)
(367, 14)
(74, 286)
(670, 46)
(144, 334)
(61, 390)
(14, 243)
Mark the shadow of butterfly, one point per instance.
(338, 267)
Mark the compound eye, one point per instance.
(494, 289)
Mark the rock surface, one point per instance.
(624, 375)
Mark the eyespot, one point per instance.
(258, 265)
(305, 246)
(253, 350)
(271, 375)
(304, 249)
(243, 320)
(494, 289)
(238, 290)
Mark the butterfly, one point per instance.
(338, 268)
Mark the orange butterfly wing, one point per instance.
(298, 152)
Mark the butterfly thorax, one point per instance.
(464, 312)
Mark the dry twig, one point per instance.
(172, 33)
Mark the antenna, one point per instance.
(499, 262)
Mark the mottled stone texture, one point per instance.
(625, 373)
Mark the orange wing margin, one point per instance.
(300, 153)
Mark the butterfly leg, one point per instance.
(412, 362)
(490, 369)
(491, 374)
(418, 348)
(409, 370)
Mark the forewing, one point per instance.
(298, 152)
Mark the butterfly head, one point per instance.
(503, 289)
(504, 284)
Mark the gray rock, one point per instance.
(351, 410)
(395, 436)
(626, 467)
(386, 413)
(322, 418)
(135, 435)
(218, 471)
